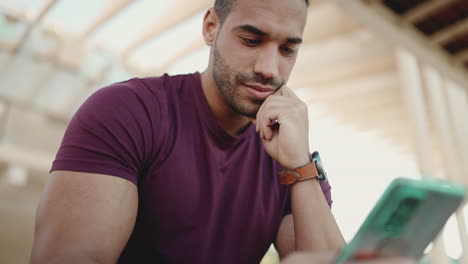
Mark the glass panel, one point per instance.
(39, 43)
(197, 61)
(95, 63)
(11, 30)
(27, 7)
(21, 76)
(129, 24)
(165, 46)
(63, 86)
(75, 16)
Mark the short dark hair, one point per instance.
(224, 7)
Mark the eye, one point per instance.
(250, 41)
(287, 50)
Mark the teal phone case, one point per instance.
(407, 217)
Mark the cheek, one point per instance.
(243, 58)
(286, 66)
(237, 55)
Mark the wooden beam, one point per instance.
(350, 87)
(451, 157)
(346, 49)
(168, 20)
(412, 89)
(193, 46)
(449, 33)
(386, 23)
(457, 102)
(326, 20)
(421, 11)
(352, 69)
(364, 104)
(13, 17)
(49, 55)
(14, 50)
(461, 58)
(444, 126)
(41, 14)
(112, 9)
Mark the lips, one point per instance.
(259, 92)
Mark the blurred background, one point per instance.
(386, 82)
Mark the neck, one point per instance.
(234, 123)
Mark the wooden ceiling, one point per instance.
(347, 64)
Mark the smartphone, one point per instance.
(407, 217)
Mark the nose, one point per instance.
(266, 63)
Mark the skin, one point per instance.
(72, 221)
(327, 258)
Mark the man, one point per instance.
(184, 169)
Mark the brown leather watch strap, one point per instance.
(306, 172)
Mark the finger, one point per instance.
(269, 113)
(261, 122)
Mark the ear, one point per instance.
(210, 26)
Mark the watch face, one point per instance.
(319, 165)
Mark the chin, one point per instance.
(247, 106)
(251, 112)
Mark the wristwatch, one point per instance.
(311, 170)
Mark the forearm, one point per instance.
(315, 227)
(70, 258)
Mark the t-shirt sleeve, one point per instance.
(111, 133)
(326, 189)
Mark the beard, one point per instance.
(229, 82)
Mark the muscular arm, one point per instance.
(84, 218)
(311, 226)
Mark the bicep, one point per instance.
(285, 243)
(84, 213)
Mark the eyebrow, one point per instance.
(256, 31)
(294, 40)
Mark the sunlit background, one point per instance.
(385, 81)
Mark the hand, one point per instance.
(327, 258)
(287, 142)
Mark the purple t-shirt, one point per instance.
(204, 195)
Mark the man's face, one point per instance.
(255, 50)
